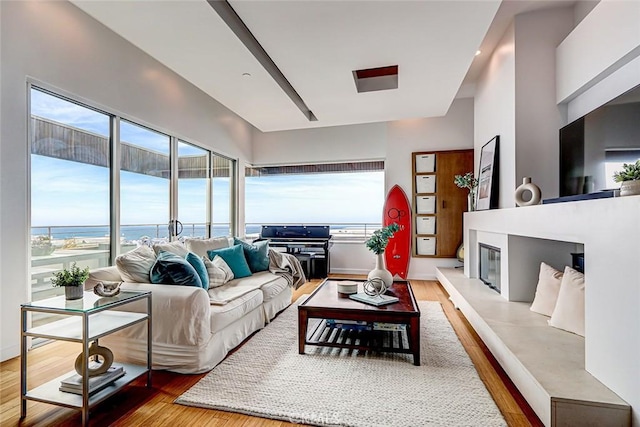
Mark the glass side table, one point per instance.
(86, 320)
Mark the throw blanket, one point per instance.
(287, 266)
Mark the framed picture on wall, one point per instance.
(488, 175)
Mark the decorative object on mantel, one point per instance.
(377, 243)
(488, 176)
(529, 186)
(107, 289)
(469, 182)
(72, 280)
(629, 176)
(95, 352)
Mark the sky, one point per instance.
(65, 193)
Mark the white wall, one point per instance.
(538, 118)
(321, 145)
(392, 141)
(494, 113)
(56, 43)
(451, 132)
(584, 59)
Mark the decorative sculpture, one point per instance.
(97, 351)
(107, 289)
(527, 185)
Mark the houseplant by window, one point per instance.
(377, 243)
(72, 279)
(629, 176)
(469, 182)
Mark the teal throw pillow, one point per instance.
(234, 257)
(172, 269)
(257, 254)
(197, 263)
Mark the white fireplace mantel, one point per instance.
(609, 230)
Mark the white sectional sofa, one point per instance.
(194, 329)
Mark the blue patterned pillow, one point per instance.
(198, 265)
(234, 257)
(172, 269)
(256, 254)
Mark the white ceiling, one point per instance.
(316, 45)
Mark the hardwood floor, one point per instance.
(137, 405)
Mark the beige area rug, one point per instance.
(267, 378)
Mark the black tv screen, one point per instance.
(595, 146)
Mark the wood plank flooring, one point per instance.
(136, 405)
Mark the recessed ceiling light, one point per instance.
(478, 52)
(246, 74)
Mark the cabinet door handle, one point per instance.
(444, 204)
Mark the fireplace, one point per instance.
(490, 266)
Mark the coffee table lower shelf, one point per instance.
(321, 333)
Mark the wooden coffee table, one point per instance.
(402, 319)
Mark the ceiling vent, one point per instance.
(374, 79)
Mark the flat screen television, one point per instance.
(595, 146)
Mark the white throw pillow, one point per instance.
(218, 270)
(135, 266)
(547, 290)
(569, 311)
(201, 246)
(177, 248)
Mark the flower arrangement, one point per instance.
(467, 181)
(380, 238)
(629, 172)
(72, 277)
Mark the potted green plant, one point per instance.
(629, 176)
(377, 243)
(72, 279)
(469, 182)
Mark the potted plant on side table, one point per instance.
(72, 280)
(629, 176)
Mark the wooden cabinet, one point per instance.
(438, 204)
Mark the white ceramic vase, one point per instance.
(527, 185)
(630, 188)
(381, 272)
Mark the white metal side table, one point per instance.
(86, 320)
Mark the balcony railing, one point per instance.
(54, 248)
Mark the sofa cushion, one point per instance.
(177, 248)
(218, 271)
(224, 315)
(172, 269)
(256, 254)
(198, 265)
(201, 246)
(273, 284)
(547, 290)
(234, 257)
(135, 266)
(569, 311)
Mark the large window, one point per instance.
(145, 174)
(193, 189)
(70, 189)
(347, 196)
(157, 181)
(222, 183)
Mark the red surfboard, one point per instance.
(398, 251)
